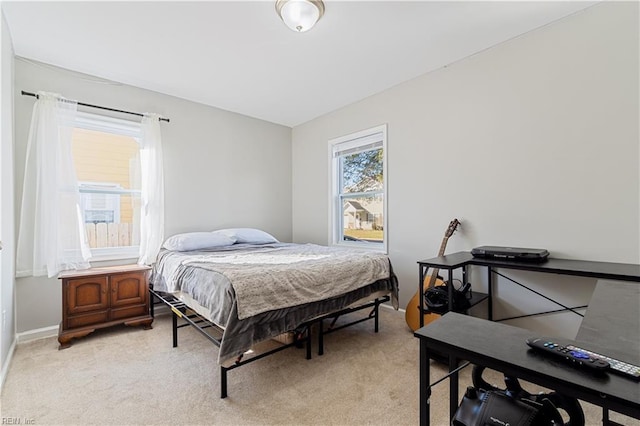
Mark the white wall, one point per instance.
(7, 269)
(221, 169)
(531, 143)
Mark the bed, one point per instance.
(249, 288)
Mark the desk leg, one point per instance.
(450, 288)
(490, 291)
(421, 295)
(425, 390)
(453, 386)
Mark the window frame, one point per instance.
(336, 227)
(118, 126)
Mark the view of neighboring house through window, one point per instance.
(106, 156)
(358, 202)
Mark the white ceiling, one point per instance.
(239, 56)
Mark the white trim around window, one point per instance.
(365, 140)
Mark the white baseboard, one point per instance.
(38, 333)
(7, 363)
(160, 310)
(387, 306)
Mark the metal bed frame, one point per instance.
(302, 334)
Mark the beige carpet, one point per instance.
(124, 376)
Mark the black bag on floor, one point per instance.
(484, 404)
(480, 408)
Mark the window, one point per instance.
(106, 156)
(358, 189)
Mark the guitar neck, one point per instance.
(434, 274)
(443, 246)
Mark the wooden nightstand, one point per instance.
(102, 297)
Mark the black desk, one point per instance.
(502, 347)
(581, 268)
(612, 323)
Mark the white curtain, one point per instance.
(152, 209)
(51, 237)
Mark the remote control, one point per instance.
(615, 365)
(577, 357)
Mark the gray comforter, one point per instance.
(258, 292)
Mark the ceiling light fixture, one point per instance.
(300, 15)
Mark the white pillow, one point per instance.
(248, 235)
(197, 240)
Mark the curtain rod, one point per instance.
(99, 107)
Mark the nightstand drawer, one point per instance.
(87, 319)
(128, 312)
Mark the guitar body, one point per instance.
(412, 312)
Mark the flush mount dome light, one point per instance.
(300, 15)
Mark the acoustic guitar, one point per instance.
(412, 313)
